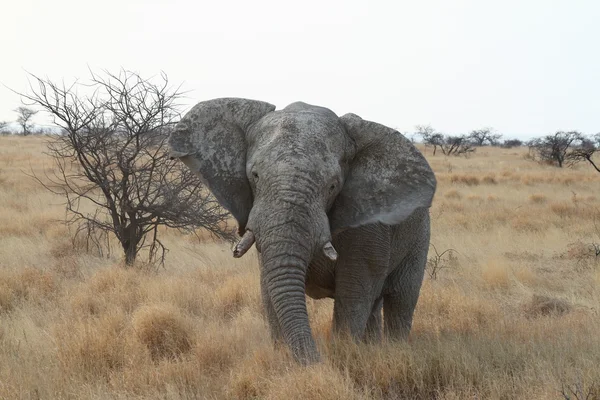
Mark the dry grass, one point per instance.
(515, 317)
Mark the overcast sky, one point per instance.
(524, 67)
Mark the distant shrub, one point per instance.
(562, 209)
(4, 128)
(510, 143)
(469, 180)
(474, 197)
(490, 180)
(545, 306)
(453, 194)
(537, 198)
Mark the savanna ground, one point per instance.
(514, 315)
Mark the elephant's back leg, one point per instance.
(400, 302)
(360, 274)
(403, 285)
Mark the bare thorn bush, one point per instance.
(112, 168)
(440, 261)
(580, 391)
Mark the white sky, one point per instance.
(524, 67)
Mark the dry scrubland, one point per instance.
(515, 314)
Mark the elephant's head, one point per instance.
(293, 179)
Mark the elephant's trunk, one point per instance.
(285, 261)
(286, 241)
(285, 277)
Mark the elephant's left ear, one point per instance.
(388, 178)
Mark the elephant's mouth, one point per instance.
(246, 242)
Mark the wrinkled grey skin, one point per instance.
(302, 176)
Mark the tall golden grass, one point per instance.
(513, 316)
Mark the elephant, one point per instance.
(338, 207)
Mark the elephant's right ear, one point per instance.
(211, 140)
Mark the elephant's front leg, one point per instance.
(374, 331)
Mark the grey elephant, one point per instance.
(338, 207)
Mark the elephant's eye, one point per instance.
(255, 175)
(332, 187)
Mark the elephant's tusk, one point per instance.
(244, 244)
(330, 252)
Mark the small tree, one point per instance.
(430, 136)
(556, 149)
(586, 151)
(450, 145)
(456, 145)
(25, 114)
(113, 156)
(485, 136)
